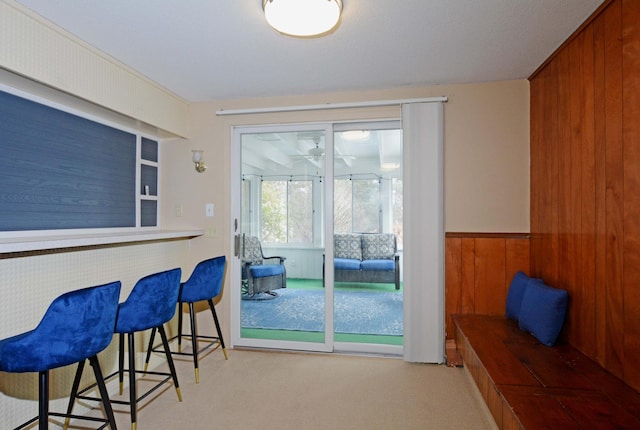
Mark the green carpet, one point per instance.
(304, 336)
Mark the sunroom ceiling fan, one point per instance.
(316, 153)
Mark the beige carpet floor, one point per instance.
(292, 391)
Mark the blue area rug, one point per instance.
(356, 312)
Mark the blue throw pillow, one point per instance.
(516, 293)
(543, 311)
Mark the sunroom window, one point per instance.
(287, 211)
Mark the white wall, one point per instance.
(486, 151)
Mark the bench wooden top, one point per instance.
(544, 385)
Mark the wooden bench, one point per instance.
(527, 385)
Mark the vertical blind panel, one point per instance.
(423, 209)
(61, 171)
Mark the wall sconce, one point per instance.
(197, 159)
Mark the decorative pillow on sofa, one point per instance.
(347, 245)
(516, 293)
(378, 246)
(543, 311)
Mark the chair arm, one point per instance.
(276, 256)
(245, 262)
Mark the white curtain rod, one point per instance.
(323, 106)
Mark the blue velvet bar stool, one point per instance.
(205, 283)
(76, 327)
(151, 303)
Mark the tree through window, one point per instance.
(287, 211)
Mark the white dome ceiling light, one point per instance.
(302, 18)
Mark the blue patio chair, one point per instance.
(260, 275)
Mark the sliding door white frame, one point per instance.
(236, 192)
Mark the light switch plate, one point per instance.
(209, 209)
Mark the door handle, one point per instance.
(236, 245)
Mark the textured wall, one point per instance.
(30, 282)
(33, 47)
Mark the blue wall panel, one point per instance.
(148, 213)
(149, 177)
(61, 171)
(149, 149)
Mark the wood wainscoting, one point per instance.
(585, 184)
(478, 271)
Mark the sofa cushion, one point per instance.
(347, 245)
(389, 265)
(346, 264)
(543, 310)
(516, 293)
(266, 270)
(378, 246)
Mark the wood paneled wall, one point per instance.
(585, 184)
(478, 271)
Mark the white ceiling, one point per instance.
(223, 49)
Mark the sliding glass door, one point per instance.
(367, 237)
(303, 190)
(282, 302)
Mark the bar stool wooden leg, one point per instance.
(74, 393)
(102, 388)
(149, 350)
(121, 362)
(215, 320)
(179, 327)
(43, 403)
(172, 367)
(194, 340)
(132, 382)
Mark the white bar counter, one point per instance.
(44, 242)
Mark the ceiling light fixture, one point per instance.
(302, 18)
(352, 135)
(390, 166)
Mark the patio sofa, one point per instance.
(366, 257)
